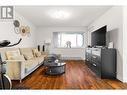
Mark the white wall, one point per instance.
(125, 44)
(7, 32)
(113, 18)
(46, 33)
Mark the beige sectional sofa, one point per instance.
(21, 61)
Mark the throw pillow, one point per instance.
(38, 54)
(35, 50)
(12, 53)
(28, 56)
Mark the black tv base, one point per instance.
(102, 61)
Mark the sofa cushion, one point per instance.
(30, 64)
(41, 59)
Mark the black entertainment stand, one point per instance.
(102, 61)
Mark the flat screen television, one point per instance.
(98, 37)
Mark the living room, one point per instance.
(65, 31)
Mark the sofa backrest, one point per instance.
(26, 51)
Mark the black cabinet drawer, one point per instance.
(97, 72)
(96, 68)
(95, 59)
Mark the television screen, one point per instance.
(98, 37)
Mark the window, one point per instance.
(75, 40)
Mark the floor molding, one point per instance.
(72, 58)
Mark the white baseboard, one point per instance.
(72, 58)
(125, 79)
(120, 78)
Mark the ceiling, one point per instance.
(41, 16)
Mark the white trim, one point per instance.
(120, 77)
(125, 79)
(72, 58)
(69, 48)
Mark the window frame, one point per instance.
(60, 47)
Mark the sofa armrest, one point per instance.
(14, 61)
(44, 53)
(15, 69)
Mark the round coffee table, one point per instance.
(55, 68)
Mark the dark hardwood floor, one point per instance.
(77, 76)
